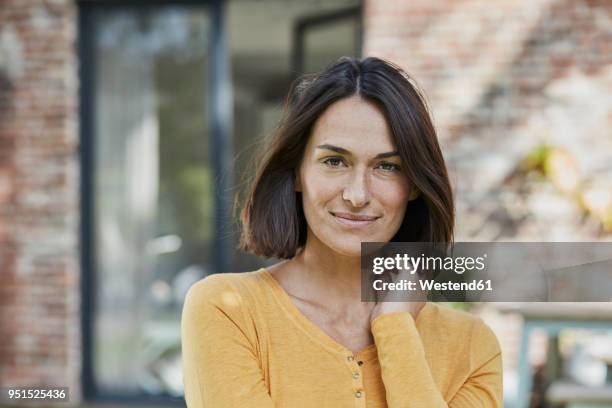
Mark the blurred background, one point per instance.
(126, 128)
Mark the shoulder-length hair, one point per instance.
(273, 222)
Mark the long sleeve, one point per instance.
(406, 373)
(219, 350)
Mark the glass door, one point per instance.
(152, 190)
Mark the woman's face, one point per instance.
(351, 179)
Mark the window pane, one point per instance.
(324, 43)
(153, 192)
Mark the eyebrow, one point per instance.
(342, 150)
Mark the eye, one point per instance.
(333, 161)
(389, 167)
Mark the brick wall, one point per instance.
(454, 49)
(490, 74)
(39, 202)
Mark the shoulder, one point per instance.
(462, 329)
(221, 289)
(220, 286)
(220, 308)
(446, 317)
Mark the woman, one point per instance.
(355, 159)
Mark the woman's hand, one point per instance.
(411, 302)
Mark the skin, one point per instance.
(350, 169)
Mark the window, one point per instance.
(152, 189)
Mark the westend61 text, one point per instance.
(404, 284)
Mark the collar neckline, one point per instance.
(310, 328)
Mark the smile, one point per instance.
(354, 220)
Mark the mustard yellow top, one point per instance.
(245, 344)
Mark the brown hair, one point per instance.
(273, 222)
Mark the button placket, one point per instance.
(358, 391)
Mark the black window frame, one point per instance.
(305, 24)
(220, 133)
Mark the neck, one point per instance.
(330, 278)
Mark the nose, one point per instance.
(357, 191)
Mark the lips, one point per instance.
(354, 220)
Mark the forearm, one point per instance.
(408, 378)
(405, 371)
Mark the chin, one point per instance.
(348, 245)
